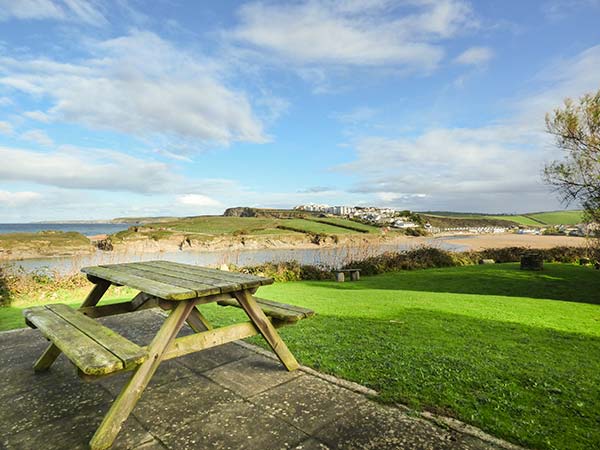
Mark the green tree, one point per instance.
(576, 128)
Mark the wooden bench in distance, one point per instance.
(277, 311)
(95, 349)
(354, 274)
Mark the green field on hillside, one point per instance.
(220, 225)
(531, 219)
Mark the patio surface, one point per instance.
(228, 397)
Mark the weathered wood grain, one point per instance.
(266, 329)
(91, 357)
(201, 289)
(128, 352)
(280, 311)
(127, 399)
(155, 288)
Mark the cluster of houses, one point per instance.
(380, 216)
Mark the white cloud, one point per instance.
(39, 116)
(197, 200)
(475, 56)
(65, 10)
(6, 128)
(141, 85)
(16, 199)
(373, 33)
(74, 168)
(5, 101)
(490, 168)
(38, 136)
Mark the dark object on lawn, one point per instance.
(354, 275)
(597, 266)
(584, 261)
(487, 261)
(532, 261)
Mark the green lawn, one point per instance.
(515, 353)
(351, 224)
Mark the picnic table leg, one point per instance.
(127, 399)
(197, 321)
(266, 328)
(52, 351)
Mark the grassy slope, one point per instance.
(44, 241)
(491, 345)
(350, 223)
(218, 225)
(532, 219)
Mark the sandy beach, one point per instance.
(483, 241)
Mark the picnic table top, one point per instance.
(175, 281)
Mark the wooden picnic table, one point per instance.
(98, 351)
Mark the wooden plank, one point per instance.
(128, 352)
(299, 309)
(201, 289)
(242, 278)
(167, 269)
(271, 311)
(155, 288)
(266, 329)
(118, 308)
(52, 352)
(127, 399)
(280, 311)
(211, 338)
(83, 351)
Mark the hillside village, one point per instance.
(407, 220)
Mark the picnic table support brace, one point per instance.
(127, 399)
(266, 328)
(52, 352)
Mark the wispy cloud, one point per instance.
(65, 10)
(75, 168)
(38, 136)
(6, 128)
(475, 56)
(353, 33)
(18, 199)
(141, 85)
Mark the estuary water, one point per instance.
(329, 257)
(87, 229)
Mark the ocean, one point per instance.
(87, 229)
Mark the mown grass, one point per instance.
(219, 225)
(570, 217)
(351, 224)
(513, 352)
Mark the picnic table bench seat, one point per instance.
(95, 349)
(278, 311)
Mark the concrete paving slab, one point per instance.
(251, 375)
(227, 398)
(308, 403)
(244, 427)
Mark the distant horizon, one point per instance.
(108, 220)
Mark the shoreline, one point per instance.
(365, 242)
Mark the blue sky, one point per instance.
(173, 107)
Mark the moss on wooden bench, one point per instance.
(95, 349)
(279, 311)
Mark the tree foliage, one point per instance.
(576, 128)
